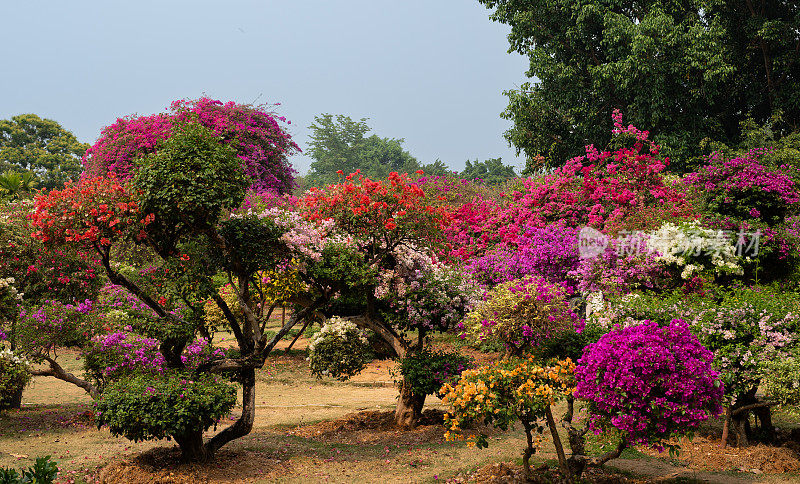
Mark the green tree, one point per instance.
(339, 143)
(491, 171)
(437, 168)
(685, 69)
(41, 146)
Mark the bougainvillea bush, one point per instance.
(174, 406)
(504, 393)
(175, 204)
(649, 381)
(521, 314)
(339, 350)
(623, 188)
(260, 143)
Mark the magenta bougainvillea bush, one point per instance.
(649, 381)
(256, 134)
(623, 188)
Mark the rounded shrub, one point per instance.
(651, 382)
(143, 407)
(340, 350)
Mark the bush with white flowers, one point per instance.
(695, 250)
(15, 373)
(340, 350)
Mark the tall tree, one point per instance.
(340, 143)
(41, 146)
(686, 69)
(491, 171)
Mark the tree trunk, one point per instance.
(526, 456)
(562, 458)
(192, 448)
(244, 424)
(409, 408)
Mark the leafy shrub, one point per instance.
(521, 314)
(782, 381)
(340, 350)
(44, 471)
(427, 370)
(143, 407)
(14, 375)
(649, 381)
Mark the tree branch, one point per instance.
(57, 371)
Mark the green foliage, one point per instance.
(144, 407)
(44, 471)
(14, 375)
(41, 147)
(344, 268)
(339, 350)
(15, 185)
(685, 70)
(491, 171)
(427, 370)
(255, 241)
(782, 381)
(340, 144)
(188, 183)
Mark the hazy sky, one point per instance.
(431, 72)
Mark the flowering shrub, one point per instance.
(748, 327)
(550, 252)
(171, 406)
(611, 191)
(520, 314)
(782, 381)
(624, 265)
(506, 392)
(95, 212)
(744, 188)
(111, 357)
(42, 329)
(424, 294)
(339, 350)
(255, 134)
(14, 375)
(694, 250)
(649, 381)
(426, 371)
(389, 209)
(10, 300)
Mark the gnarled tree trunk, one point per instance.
(409, 407)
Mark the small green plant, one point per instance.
(44, 471)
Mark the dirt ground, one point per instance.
(311, 430)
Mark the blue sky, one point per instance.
(431, 72)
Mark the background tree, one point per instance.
(689, 70)
(491, 171)
(340, 144)
(41, 146)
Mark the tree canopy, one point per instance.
(491, 171)
(688, 69)
(339, 144)
(41, 146)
